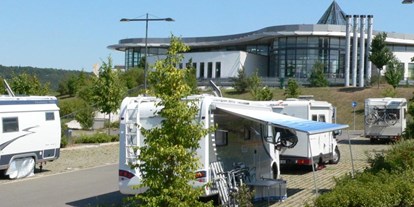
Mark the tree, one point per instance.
(107, 90)
(85, 116)
(380, 53)
(317, 77)
(133, 77)
(241, 82)
(168, 160)
(191, 77)
(254, 83)
(292, 90)
(394, 73)
(25, 84)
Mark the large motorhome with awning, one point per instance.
(248, 135)
(322, 147)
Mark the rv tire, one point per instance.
(336, 156)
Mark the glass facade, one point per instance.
(134, 57)
(411, 71)
(295, 56)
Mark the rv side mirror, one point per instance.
(222, 137)
(337, 132)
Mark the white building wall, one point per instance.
(230, 62)
(404, 57)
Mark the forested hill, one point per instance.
(53, 76)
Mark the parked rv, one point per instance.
(248, 136)
(322, 147)
(30, 133)
(385, 118)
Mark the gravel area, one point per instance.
(78, 157)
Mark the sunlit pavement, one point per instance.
(300, 182)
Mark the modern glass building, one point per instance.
(286, 51)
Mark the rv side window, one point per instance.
(222, 137)
(10, 124)
(314, 117)
(322, 118)
(50, 116)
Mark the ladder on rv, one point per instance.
(131, 133)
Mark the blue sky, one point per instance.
(75, 34)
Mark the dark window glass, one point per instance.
(218, 69)
(209, 70)
(201, 70)
(10, 124)
(50, 116)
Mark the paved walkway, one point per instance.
(300, 183)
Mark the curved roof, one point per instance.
(262, 36)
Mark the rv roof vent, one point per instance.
(306, 97)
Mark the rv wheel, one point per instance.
(336, 156)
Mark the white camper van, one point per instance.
(321, 147)
(248, 136)
(385, 118)
(30, 133)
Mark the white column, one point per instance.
(347, 49)
(362, 51)
(355, 51)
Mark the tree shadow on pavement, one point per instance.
(109, 199)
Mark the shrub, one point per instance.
(388, 182)
(97, 138)
(292, 90)
(264, 94)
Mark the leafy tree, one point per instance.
(317, 77)
(191, 77)
(380, 53)
(394, 73)
(168, 160)
(2, 87)
(241, 82)
(107, 90)
(132, 77)
(85, 116)
(292, 90)
(254, 84)
(25, 84)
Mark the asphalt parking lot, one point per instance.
(300, 182)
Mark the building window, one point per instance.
(411, 71)
(209, 70)
(10, 124)
(218, 69)
(50, 116)
(201, 70)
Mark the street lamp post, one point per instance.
(146, 39)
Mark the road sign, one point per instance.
(354, 104)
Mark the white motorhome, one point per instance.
(30, 133)
(248, 135)
(321, 147)
(385, 118)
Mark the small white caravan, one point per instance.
(248, 136)
(321, 147)
(385, 118)
(29, 133)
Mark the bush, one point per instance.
(264, 94)
(97, 138)
(388, 182)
